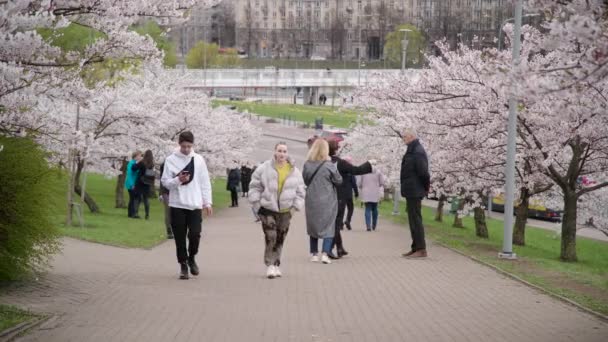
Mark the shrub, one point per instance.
(27, 236)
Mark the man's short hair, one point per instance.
(410, 131)
(186, 136)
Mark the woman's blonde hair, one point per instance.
(319, 150)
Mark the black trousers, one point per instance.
(414, 216)
(234, 196)
(186, 223)
(338, 226)
(131, 207)
(350, 208)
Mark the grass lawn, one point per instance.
(112, 226)
(303, 113)
(11, 316)
(585, 281)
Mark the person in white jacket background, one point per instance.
(276, 189)
(186, 177)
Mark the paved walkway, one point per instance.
(103, 293)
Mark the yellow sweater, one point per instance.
(283, 173)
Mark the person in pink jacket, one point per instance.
(370, 185)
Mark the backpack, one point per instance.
(148, 176)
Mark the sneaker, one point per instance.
(193, 267)
(325, 259)
(270, 274)
(183, 274)
(315, 258)
(277, 272)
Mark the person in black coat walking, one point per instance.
(415, 185)
(232, 185)
(246, 173)
(346, 170)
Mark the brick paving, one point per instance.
(103, 293)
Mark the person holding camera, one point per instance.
(186, 177)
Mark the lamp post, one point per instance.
(404, 43)
(507, 243)
(529, 15)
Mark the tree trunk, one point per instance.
(119, 193)
(521, 218)
(439, 213)
(90, 202)
(568, 248)
(457, 219)
(481, 229)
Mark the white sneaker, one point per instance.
(277, 272)
(314, 258)
(270, 273)
(325, 259)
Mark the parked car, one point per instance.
(536, 209)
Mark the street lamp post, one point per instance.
(529, 15)
(404, 43)
(507, 243)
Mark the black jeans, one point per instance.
(186, 223)
(234, 196)
(338, 226)
(414, 216)
(142, 193)
(350, 208)
(131, 207)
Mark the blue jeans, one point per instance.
(371, 215)
(314, 245)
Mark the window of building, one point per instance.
(360, 4)
(326, 3)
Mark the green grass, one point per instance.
(585, 281)
(11, 316)
(112, 226)
(303, 113)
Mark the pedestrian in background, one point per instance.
(130, 180)
(145, 181)
(371, 185)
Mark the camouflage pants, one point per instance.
(275, 226)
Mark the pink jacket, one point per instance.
(371, 186)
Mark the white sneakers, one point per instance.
(273, 272)
(270, 274)
(324, 258)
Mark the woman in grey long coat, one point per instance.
(321, 177)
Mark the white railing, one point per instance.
(283, 77)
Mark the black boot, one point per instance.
(348, 226)
(332, 256)
(193, 266)
(342, 252)
(183, 274)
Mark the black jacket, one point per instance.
(246, 175)
(415, 177)
(347, 171)
(234, 179)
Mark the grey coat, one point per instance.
(321, 199)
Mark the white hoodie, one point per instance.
(194, 195)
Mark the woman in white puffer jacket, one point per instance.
(276, 189)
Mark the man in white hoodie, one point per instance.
(186, 177)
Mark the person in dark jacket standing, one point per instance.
(350, 205)
(147, 174)
(246, 173)
(346, 170)
(415, 184)
(234, 180)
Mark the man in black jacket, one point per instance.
(415, 184)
